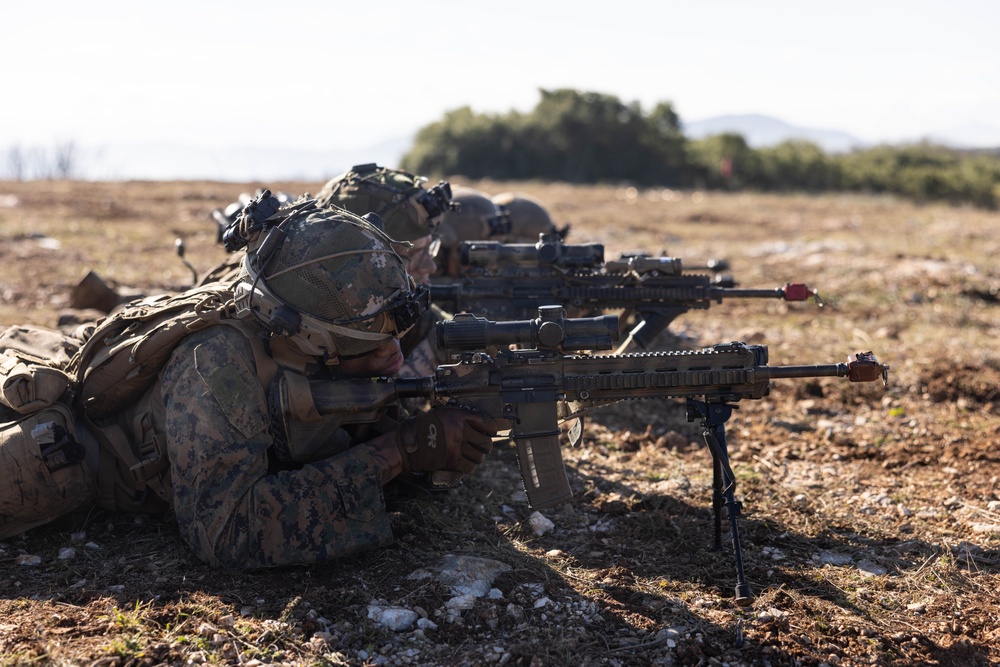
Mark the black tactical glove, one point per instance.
(445, 438)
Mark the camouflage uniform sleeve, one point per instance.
(232, 509)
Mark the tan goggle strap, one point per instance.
(267, 304)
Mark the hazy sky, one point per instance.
(345, 74)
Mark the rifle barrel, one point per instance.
(749, 293)
(811, 371)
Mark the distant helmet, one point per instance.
(398, 197)
(476, 219)
(528, 218)
(329, 281)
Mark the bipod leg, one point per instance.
(713, 421)
(716, 500)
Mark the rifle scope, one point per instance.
(549, 251)
(552, 330)
(644, 264)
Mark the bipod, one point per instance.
(713, 421)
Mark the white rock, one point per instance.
(540, 524)
(394, 618)
(67, 553)
(870, 569)
(832, 558)
(541, 602)
(986, 528)
(426, 624)
(27, 560)
(464, 575)
(461, 602)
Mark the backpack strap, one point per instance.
(267, 368)
(131, 466)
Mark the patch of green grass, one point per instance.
(127, 648)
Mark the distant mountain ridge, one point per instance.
(760, 131)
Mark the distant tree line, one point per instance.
(22, 163)
(587, 137)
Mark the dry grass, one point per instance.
(871, 524)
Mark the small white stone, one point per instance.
(986, 528)
(833, 558)
(461, 602)
(870, 569)
(540, 524)
(394, 618)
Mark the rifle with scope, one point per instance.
(511, 281)
(551, 252)
(530, 390)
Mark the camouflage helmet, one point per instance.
(329, 281)
(407, 209)
(476, 219)
(528, 218)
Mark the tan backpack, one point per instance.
(49, 382)
(126, 351)
(33, 362)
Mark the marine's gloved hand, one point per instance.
(445, 438)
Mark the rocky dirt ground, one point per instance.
(871, 517)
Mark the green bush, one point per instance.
(588, 137)
(726, 161)
(799, 165)
(579, 137)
